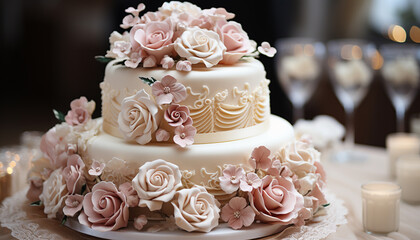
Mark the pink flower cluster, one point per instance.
(81, 111)
(181, 31)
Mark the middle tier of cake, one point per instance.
(200, 164)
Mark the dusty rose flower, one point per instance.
(121, 41)
(184, 135)
(167, 62)
(321, 173)
(276, 200)
(200, 46)
(177, 115)
(35, 189)
(74, 204)
(73, 174)
(130, 193)
(139, 117)
(260, 158)
(81, 111)
(162, 135)
(238, 213)
(129, 21)
(303, 215)
(318, 197)
(54, 191)
(139, 222)
(168, 90)
(299, 157)
(184, 66)
(121, 48)
(249, 182)
(55, 148)
(156, 183)
(134, 59)
(136, 11)
(97, 168)
(267, 50)
(195, 210)
(231, 178)
(105, 208)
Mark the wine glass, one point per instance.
(349, 65)
(401, 76)
(298, 68)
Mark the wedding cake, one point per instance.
(186, 135)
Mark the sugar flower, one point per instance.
(54, 192)
(183, 66)
(162, 135)
(130, 193)
(135, 59)
(177, 115)
(238, 213)
(74, 174)
(136, 11)
(167, 62)
(120, 41)
(260, 158)
(140, 221)
(74, 204)
(184, 135)
(121, 48)
(35, 188)
(96, 168)
(168, 90)
(249, 182)
(267, 50)
(149, 62)
(81, 111)
(129, 21)
(231, 178)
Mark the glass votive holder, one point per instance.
(408, 177)
(381, 207)
(400, 144)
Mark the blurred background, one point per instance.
(49, 46)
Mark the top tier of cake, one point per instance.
(225, 102)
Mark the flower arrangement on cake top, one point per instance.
(179, 35)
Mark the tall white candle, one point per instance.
(381, 207)
(400, 144)
(408, 177)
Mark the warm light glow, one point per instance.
(309, 50)
(415, 34)
(377, 61)
(397, 34)
(9, 170)
(351, 52)
(12, 164)
(1, 165)
(17, 158)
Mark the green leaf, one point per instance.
(148, 81)
(326, 205)
(83, 189)
(59, 115)
(37, 203)
(103, 59)
(64, 220)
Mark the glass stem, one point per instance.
(400, 111)
(349, 140)
(298, 112)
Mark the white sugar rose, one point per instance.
(157, 183)
(54, 192)
(196, 210)
(139, 117)
(168, 8)
(120, 45)
(200, 45)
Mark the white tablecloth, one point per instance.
(344, 180)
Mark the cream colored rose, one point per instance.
(200, 45)
(168, 8)
(120, 45)
(54, 193)
(157, 183)
(300, 157)
(196, 210)
(139, 117)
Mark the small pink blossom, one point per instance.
(135, 11)
(303, 215)
(168, 90)
(162, 135)
(131, 194)
(167, 62)
(129, 21)
(139, 222)
(177, 115)
(152, 17)
(277, 169)
(134, 59)
(231, 178)
(149, 62)
(219, 12)
(183, 66)
(267, 50)
(260, 158)
(96, 168)
(250, 182)
(184, 135)
(74, 204)
(73, 174)
(238, 213)
(35, 189)
(81, 111)
(121, 48)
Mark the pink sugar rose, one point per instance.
(184, 135)
(139, 222)
(184, 66)
(231, 178)
(177, 115)
(105, 208)
(238, 213)
(136, 11)
(303, 215)
(74, 204)
(55, 148)
(96, 168)
(167, 62)
(130, 193)
(168, 90)
(81, 111)
(149, 62)
(35, 189)
(155, 38)
(121, 48)
(267, 50)
(236, 41)
(162, 135)
(260, 158)
(276, 200)
(73, 174)
(321, 173)
(318, 197)
(249, 182)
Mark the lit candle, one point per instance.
(408, 177)
(381, 207)
(400, 144)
